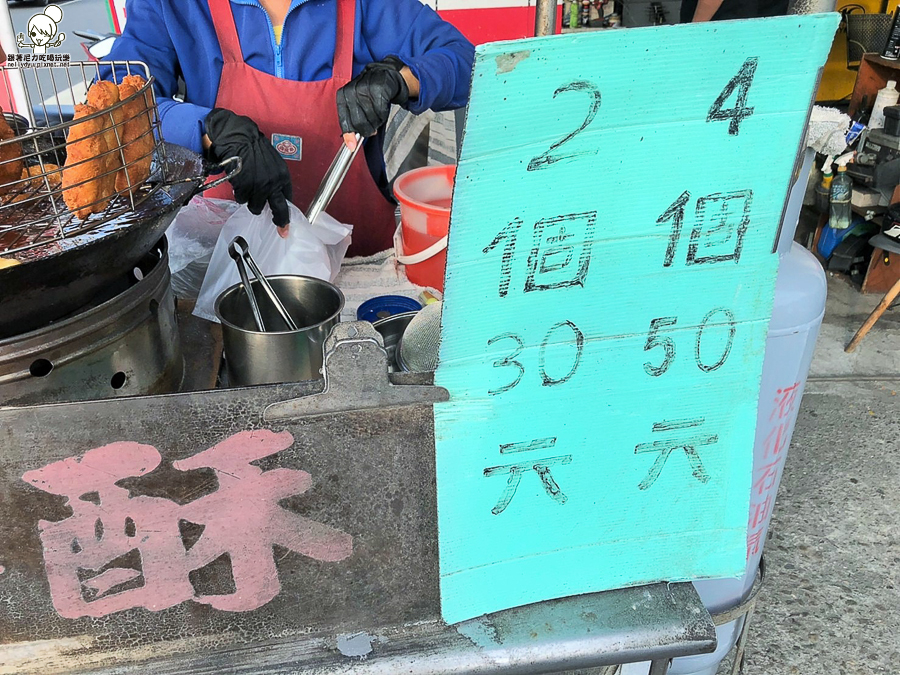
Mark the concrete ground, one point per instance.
(832, 600)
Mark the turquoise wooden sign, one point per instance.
(610, 278)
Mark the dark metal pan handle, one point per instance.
(234, 162)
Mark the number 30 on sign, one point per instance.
(609, 282)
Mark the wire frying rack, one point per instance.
(33, 210)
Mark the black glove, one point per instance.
(365, 102)
(264, 175)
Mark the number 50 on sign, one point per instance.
(609, 283)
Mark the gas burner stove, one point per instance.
(123, 343)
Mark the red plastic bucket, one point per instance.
(421, 242)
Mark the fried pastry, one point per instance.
(88, 183)
(104, 95)
(137, 140)
(36, 175)
(32, 184)
(10, 157)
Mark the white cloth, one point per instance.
(363, 278)
(827, 131)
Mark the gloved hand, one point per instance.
(365, 102)
(264, 175)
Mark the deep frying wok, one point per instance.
(68, 274)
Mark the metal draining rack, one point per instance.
(33, 210)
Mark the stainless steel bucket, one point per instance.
(252, 357)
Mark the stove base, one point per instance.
(126, 345)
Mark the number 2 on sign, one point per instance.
(546, 159)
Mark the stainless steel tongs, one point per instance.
(239, 258)
(327, 189)
(332, 180)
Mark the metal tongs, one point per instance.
(239, 258)
(327, 189)
(332, 180)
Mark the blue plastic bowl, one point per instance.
(384, 306)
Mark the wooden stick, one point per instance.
(886, 301)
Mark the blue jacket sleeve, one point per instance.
(146, 39)
(435, 51)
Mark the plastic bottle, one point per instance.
(892, 48)
(858, 122)
(823, 189)
(841, 192)
(887, 96)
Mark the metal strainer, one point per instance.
(418, 346)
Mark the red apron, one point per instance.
(306, 110)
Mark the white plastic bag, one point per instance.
(309, 250)
(192, 237)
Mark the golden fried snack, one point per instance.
(10, 157)
(87, 181)
(103, 95)
(138, 137)
(8, 262)
(97, 157)
(32, 185)
(36, 174)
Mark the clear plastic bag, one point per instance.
(192, 237)
(309, 250)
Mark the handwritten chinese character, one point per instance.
(777, 441)
(722, 222)
(561, 255)
(667, 445)
(754, 541)
(785, 401)
(766, 478)
(118, 552)
(515, 471)
(760, 511)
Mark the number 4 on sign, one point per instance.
(740, 111)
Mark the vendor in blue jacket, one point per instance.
(261, 80)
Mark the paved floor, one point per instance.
(832, 602)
